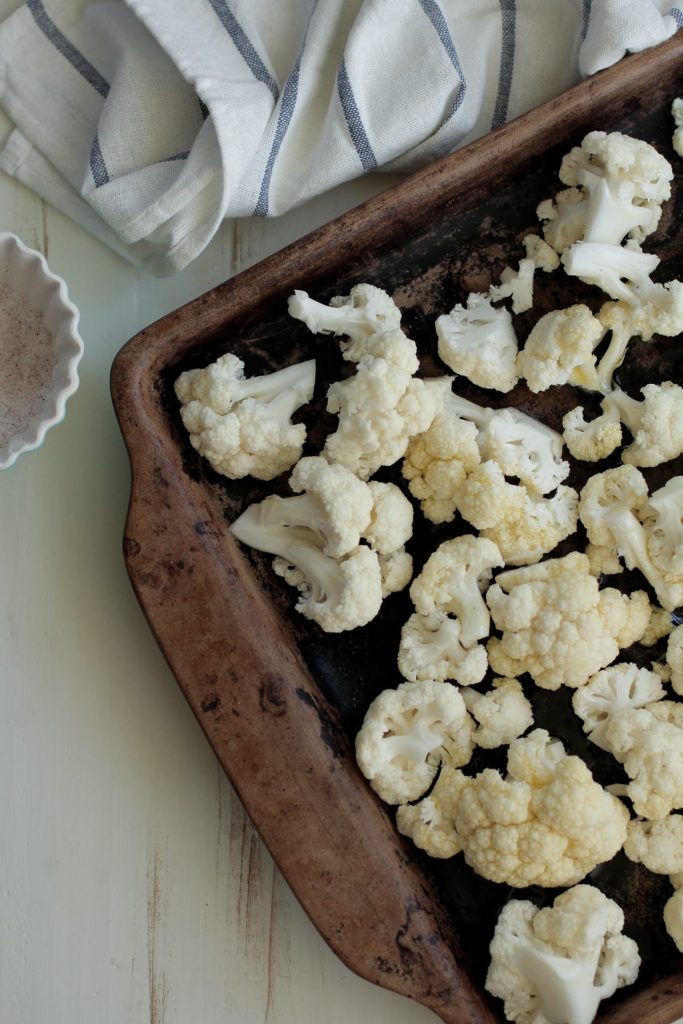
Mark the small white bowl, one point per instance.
(40, 348)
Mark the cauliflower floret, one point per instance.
(503, 713)
(396, 571)
(452, 580)
(479, 342)
(429, 823)
(594, 440)
(368, 317)
(657, 844)
(431, 647)
(548, 823)
(564, 218)
(559, 349)
(673, 918)
(649, 743)
(674, 657)
(405, 735)
(610, 691)
(242, 425)
(335, 504)
(662, 517)
(660, 625)
(437, 462)
(519, 284)
(610, 505)
(677, 114)
(558, 625)
(338, 593)
(604, 561)
(559, 963)
(391, 520)
(380, 408)
(524, 448)
(523, 526)
(622, 181)
(656, 423)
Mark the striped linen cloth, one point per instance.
(149, 121)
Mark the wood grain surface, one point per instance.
(283, 740)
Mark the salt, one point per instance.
(26, 364)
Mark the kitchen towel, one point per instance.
(149, 121)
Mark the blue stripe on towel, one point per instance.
(66, 48)
(245, 48)
(677, 14)
(98, 168)
(287, 104)
(433, 11)
(508, 13)
(585, 22)
(353, 119)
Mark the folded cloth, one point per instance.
(150, 121)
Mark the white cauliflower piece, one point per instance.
(609, 692)
(367, 316)
(660, 625)
(673, 918)
(479, 342)
(594, 440)
(429, 823)
(242, 425)
(558, 625)
(656, 423)
(503, 713)
(431, 647)
(649, 743)
(611, 505)
(604, 561)
(559, 963)
(451, 581)
(391, 519)
(438, 461)
(617, 185)
(396, 571)
(662, 517)
(519, 284)
(407, 733)
(380, 408)
(657, 844)
(674, 658)
(523, 526)
(677, 114)
(335, 504)
(559, 349)
(525, 448)
(547, 823)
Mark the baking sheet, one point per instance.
(279, 700)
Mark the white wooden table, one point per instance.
(133, 887)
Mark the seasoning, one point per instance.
(26, 364)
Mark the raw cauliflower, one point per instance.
(558, 625)
(479, 342)
(379, 408)
(674, 657)
(559, 349)
(524, 526)
(431, 647)
(593, 440)
(407, 732)
(518, 285)
(673, 916)
(658, 845)
(547, 823)
(610, 691)
(503, 713)
(429, 823)
(437, 462)
(662, 517)
(649, 743)
(656, 423)
(242, 425)
(559, 963)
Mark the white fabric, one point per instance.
(150, 121)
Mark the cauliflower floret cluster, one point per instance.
(546, 823)
(559, 963)
(558, 625)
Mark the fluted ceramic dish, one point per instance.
(25, 272)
